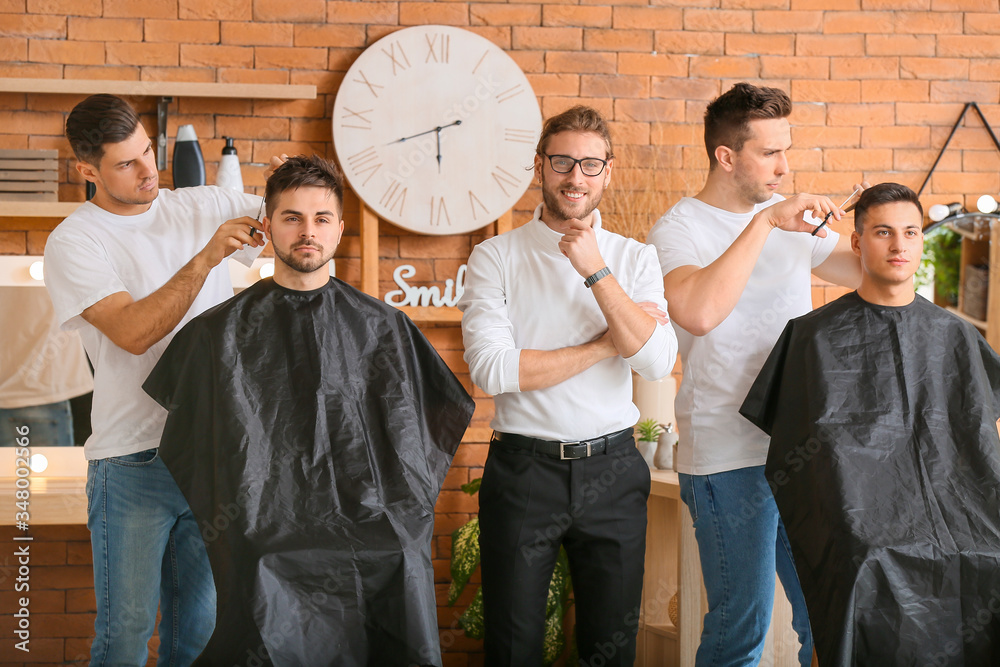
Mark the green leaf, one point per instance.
(555, 610)
(471, 620)
(472, 488)
(649, 430)
(464, 557)
(555, 639)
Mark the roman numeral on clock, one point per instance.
(401, 62)
(473, 202)
(438, 48)
(360, 119)
(502, 177)
(365, 162)
(371, 86)
(439, 212)
(519, 136)
(394, 198)
(510, 93)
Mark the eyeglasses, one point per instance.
(563, 164)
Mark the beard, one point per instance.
(307, 263)
(752, 191)
(136, 198)
(558, 208)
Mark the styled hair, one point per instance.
(304, 172)
(883, 193)
(727, 118)
(577, 119)
(97, 121)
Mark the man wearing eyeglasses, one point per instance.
(556, 315)
(736, 260)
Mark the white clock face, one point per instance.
(435, 128)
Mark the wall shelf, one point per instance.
(37, 209)
(268, 91)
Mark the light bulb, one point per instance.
(38, 463)
(267, 270)
(36, 270)
(987, 204)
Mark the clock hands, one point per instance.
(437, 132)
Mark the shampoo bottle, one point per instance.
(189, 165)
(229, 175)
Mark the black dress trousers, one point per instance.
(596, 508)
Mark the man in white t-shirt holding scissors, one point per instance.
(736, 260)
(127, 270)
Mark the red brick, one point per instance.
(636, 133)
(211, 55)
(618, 40)
(434, 247)
(505, 15)
(599, 85)
(965, 137)
(65, 7)
(959, 183)
(243, 75)
(930, 23)
(826, 137)
(869, 67)
(724, 66)
(808, 113)
(289, 57)
(717, 20)
(898, 136)
(899, 45)
(963, 91)
(982, 24)
(31, 122)
(676, 134)
(963, 5)
(921, 159)
(250, 33)
(855, 159)
(162, 9)
(975, 161)
(575, 15)
(226, 10)
(555, 84)
(423, 13)
(872, 5)
(829, 45)
(794, 67)
(13, 48)
(32, 25)
(79, 553)
(580, 62)
(249, 127)
(499, 35)
(182, 31)
(842, 5)
(895, 91)
(769, 21)
(826, 182)
(935, 68)
(857, 22)
(142, 53)
(13, 6)
(549, 39)
(984, 70)
(365, 13)
(53, 51)
(300, 11)
(688, 41)
(755, 4)
(13, 243)
(193, 74)
(292, 108)
(742, 44)
(659, 64)
(972, 46)
(105, 30)
(330, 35)
(657, 18)
(685, 88)
(650, 110)
(861, 115)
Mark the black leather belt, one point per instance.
(565, 451)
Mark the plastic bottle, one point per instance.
(229, 175)
(189, 165)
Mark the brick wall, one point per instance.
(876, 86)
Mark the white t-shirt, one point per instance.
(93, 254)
(720, 366)
(521, 292)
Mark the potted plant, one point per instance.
(648, 434)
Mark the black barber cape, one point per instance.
(885, 465)
(311, 433)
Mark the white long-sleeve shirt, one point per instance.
(521, 292)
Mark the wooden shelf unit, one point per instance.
(370, 259)
(37, 209)
(977, 250)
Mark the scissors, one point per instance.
(849, 208)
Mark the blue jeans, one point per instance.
(742, 542)
(147, 549)
(48, 425)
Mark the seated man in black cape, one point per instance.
(310, 428)
(884, 460)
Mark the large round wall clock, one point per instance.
(435, 128)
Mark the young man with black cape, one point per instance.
(885, 462)
(310, 429)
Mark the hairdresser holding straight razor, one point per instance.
(736, 260)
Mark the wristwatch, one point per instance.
(597, 276)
